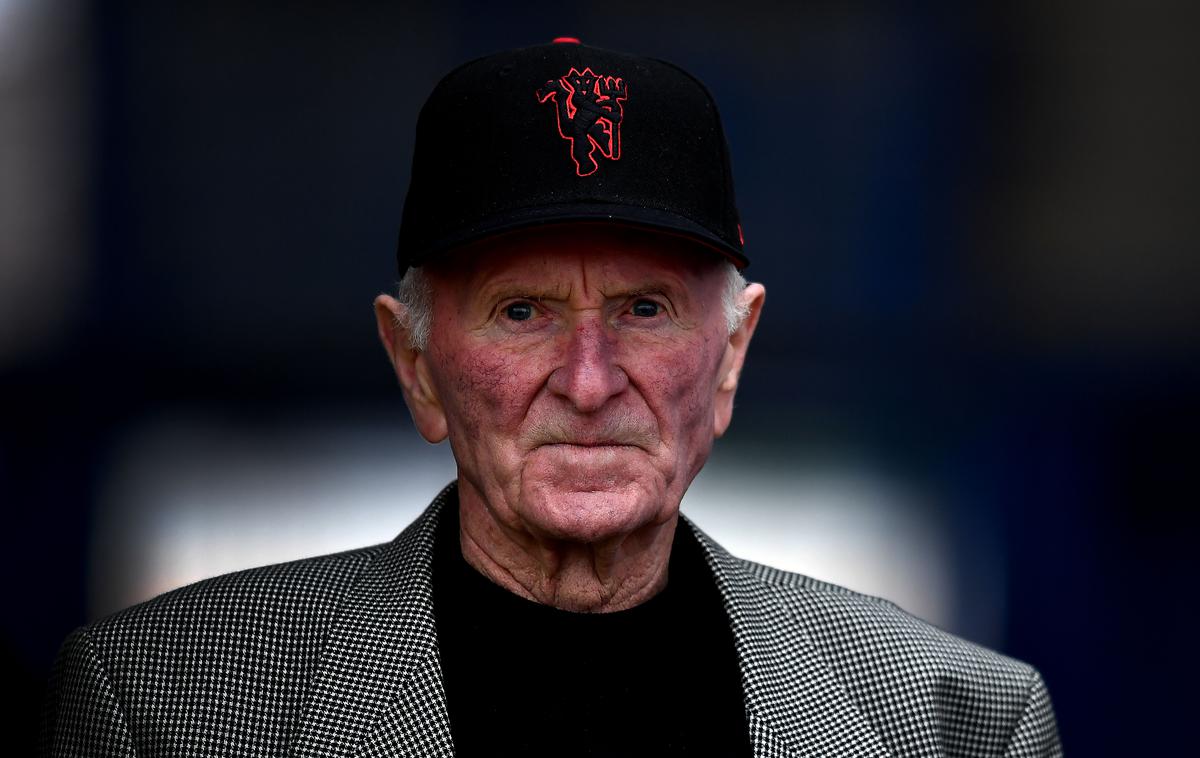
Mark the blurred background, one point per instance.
(971, 392)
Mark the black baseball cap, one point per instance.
(568, 132)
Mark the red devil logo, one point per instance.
(589, 111)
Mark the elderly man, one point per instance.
(573, 319)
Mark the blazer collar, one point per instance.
(795, 704)
(377, 689)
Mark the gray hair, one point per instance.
(416, 295)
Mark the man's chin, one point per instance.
(589, 494)
(592, 515)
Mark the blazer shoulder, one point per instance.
(872, 636)
(965, 697)
(199, 660)
(298, 592)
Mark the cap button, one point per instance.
(565, 41)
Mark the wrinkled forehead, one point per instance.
(610, 253)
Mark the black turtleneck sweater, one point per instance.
(526, 679)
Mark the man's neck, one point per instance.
(599, 577)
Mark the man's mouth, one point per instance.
(592, 443)
(615, 433)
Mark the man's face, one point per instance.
(581, 373)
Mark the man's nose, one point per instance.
(589, 374)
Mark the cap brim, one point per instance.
(651, 218)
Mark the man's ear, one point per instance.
(735, 356)
(412, 369)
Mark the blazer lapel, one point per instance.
(378, 686)
(795, 705)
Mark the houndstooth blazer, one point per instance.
(337, 656)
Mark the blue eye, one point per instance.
(519, 311)
(646, 309)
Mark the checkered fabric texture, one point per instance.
(337, 656)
